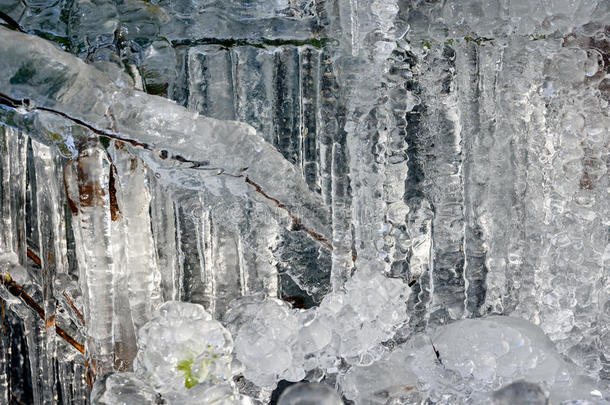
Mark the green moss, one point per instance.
(478, 40)
(537, 37)
(54, 136)
(427, 44)
(185, 366)
(156, 89)
(62, 41)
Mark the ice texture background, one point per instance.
(407, 201)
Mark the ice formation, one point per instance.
(276, 342)
(466, 361)
(184, 357)
(382, 201)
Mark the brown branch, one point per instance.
(71, 204)
(15, 399)
(4, 331)
(34, 257)
(78, 314)
(17, 291)
(11, 22)
(297, 224)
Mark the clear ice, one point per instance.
(305, 201)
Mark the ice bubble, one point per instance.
(274, 341)
(309, 394)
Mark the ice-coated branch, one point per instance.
(17, 290)
(64, 101)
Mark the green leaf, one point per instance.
(185, 366)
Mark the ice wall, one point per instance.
(205, 151)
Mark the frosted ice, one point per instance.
(128, 388)
(501, 359)
(276, 342)
(183, 346)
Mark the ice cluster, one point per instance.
(184, 357)
(276, 342)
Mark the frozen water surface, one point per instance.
(376, 201)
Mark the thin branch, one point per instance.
(18, 291)
(15, 399)
(11, 22)
(34, 257)
(297, 224)
(4, 331)
(78, 314)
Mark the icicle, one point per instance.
(52, 248)
(89, 194)
(35, 340)
(442, 135)
(5, 353)
(134, 208)
(163, 221)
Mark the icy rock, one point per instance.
(122, 389)
(520, 393)
(183, 346)
(309, 394)
(469, 361)
(480, 355)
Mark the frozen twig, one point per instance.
(18, 291)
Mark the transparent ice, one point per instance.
(309, 393)
(391, 202)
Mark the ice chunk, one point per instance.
(208, 394)
(182, 347)
(309, 394)
(467, 361)
(482, 354)
(265, 330)
(276, 342)
(390, 377)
